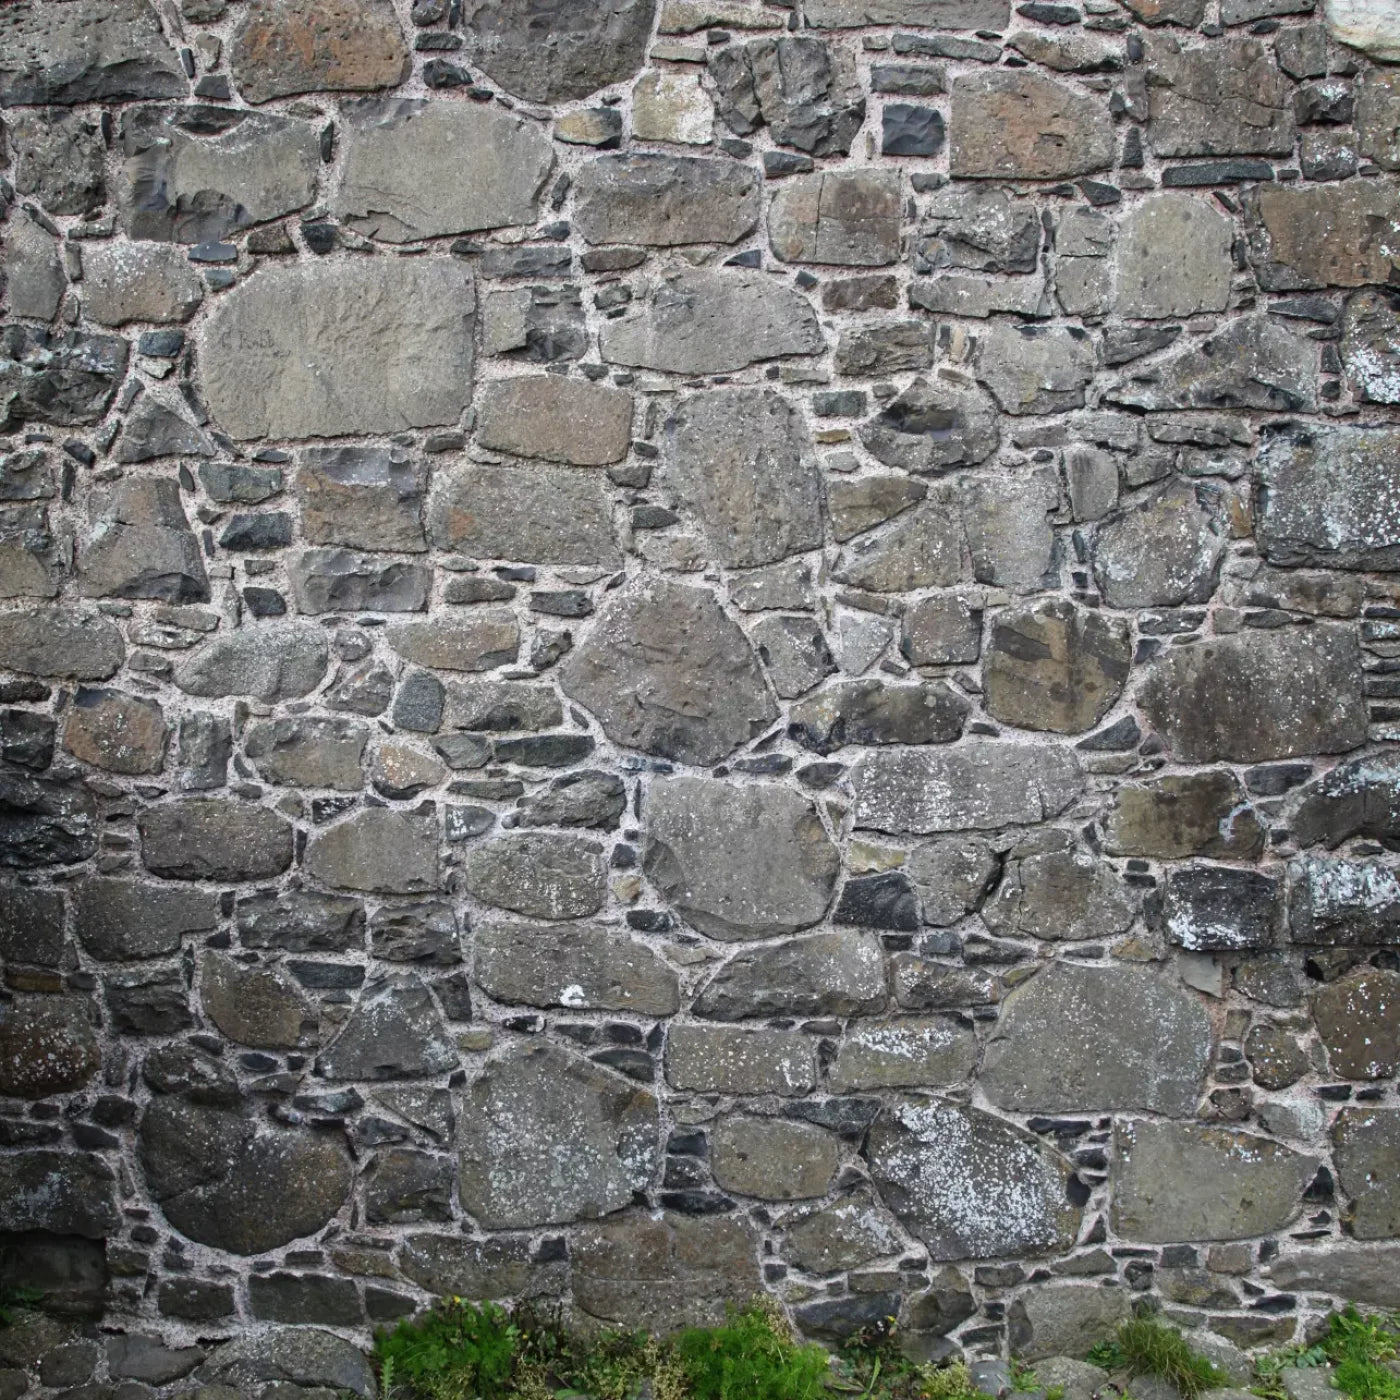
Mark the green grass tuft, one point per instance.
(1146, 1347)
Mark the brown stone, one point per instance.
(1310, 235)
(1018, 124)
(119, 732)
(1358, 1022)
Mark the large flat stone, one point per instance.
(1366, 1146)
(840, 973)
(139, 282)
(60, 640)
(214, 839)
(1019, 124)
(1174, 258)
(1221, 908)
(65, 1193)
(665, 201)
(772, 1158)
(280, 661)
(1185, 814)
(735, 1060)
(1359, 1273)
(1055, 890)
(378, 850)
(1343, 903)
(542, 875)
(904, 1052)
(119, 920)
(850, 218)
(1163, 551)
(47, 1046)
(329, 349)
(1333, 235)
(362, 498)
(394, 1032)
(1357, 1024)
(938, 14)
(556, 419)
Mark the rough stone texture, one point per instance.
(379, 851)
(772, 1158)
(1219, 908)
(1320, 236)
(47, 1046)
(559, 420)
(1356, 1020)
(1052, 890)
(825, 974)
(214, 839)
(1190, 814)
(851, 219)
(1227, 99)
(664, 201)
(1024, 125)
(1163, 552)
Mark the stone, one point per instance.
(665, 1274)
(1022, 125)
(1360, 797)
(909, 129)
(710, 322)
(904, 1052)
(319, 753)
(976, 784)
(26, 739)
(69, 379)
(45, 823)
(1077, 1039)
(1276, 1059)
(148, 1003)
(228, 483)
(91, 52)
(1306, 686)
(395, 1031)
(1364, 1273)
(362, 498)
(1218, 908)
(672, 107)
(794, 651)
(936, 14)
(734, 1060)
(535, 515)
(253, 1005)
(968, 1185)
(853, 1231)
(47, 1046)
(1324, 235)
(738, 862)
(861, 503)
(1343, 903)
(194, 838)
(119, 732)
(593, 126)
(1173, 258)
(155, 428)
(1058, 892)
(60, 159)
(34, 280)
(557, 52)
(579, 968)
(1066, 1319)
(1219, 100)
(502, 706)
(1187, 1181)
(379, 851)
(448, 1264)
(952, 877)
(889, 349)
(934, 426)
(1186, 814)
(1035, 369)
(136, 282)
(884, 900)
(584, 799)
(772, 1158)
(849, 218)
(198, 175)
(869, 712)
(31, 926)
(1356, 1021)
(664, 670)
(1162, 552)
(1055, 666)
(1325, 497)
(740, 461)
(478, 642)
(284, 47)
(1371, 343)
(425, 932)
(326, 349)
(537, 874)
(118, 920)
(67, 1193)
(559, 420)
(923, 548)
(407, 1187)
(547, 1138)
(663, 201)
(277, 661)
(839, 973)
(802, 89)
(1367, 25)
(143, 1356)
(336, 580)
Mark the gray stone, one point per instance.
(839, 973)
(30, 566)
(977, 784)
(733, 1060)
(1032, 369)
(1077, 1038)
(794, 651)
(425, 932)
(299, 921)
(934, 426)
(860, 503)
(92, 51)
(772, 1158)
(1371, 343)
(904, 1052)
(1059, 892)
(252, 1005)
(1357, 1024)
(478, 642)
(557, 52)
(336, 580)
(1223, 99)
(738, 862)
(155, 428)
(144, 1356)
(1324, 235)
(214, 839)
(937, 14)
(448, 1264)
(406, 1187)
(1305, 686)
(279, 661)
(1326, 496)
(1362, 1273)
(47, 1046)
(332, 348)
(584, 799)
(1055, 666)
(317, 753)
(1174, 258)
(1276, 1059)
(34, 280)
(1357, 798)
(45, 823)
(118, 920)
(60, 159)
(200, 174)
(850, 218)
(548, 1138)
(711, 322)
(1367, 25)
(67, 1193)
(31, 926)
(305, 1356)
(1064, 1319)
(853, 1231)
(283, 47)
(68, 379)
(1184, 814)
(1162, 552)
(1020, 124)
(1218, 908)
(1186, 1181)
(665, 201)
(424, 168)
(537, 874)
(559, 420)
(580, 968)
(740, 461)
(952, 877)
(665, 1274)
(666, 671)
(1343, 903)
(378, 850)
(968, 1185)
(869, 712)
(139, 282)
(394, 1032)
(983, 229)
(228, 482)
(502, 707)
(942, 630)
(362, 498)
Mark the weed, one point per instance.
(12, 1298)
(949, 1383)
(751, 1357)
(1359, 1345)
(457, 1351)
(1145, 1347)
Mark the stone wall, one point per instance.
(665, 648)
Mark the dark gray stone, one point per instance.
(1162, 552)
(298, 921)
(45, 823)
(66, 1193)
(362, 498)
(305, 1356)
(69, 379)
(934, 426)
(315, 753)
(663, 201)
(840, 973)
(872, 712)
(279, 661)
(141, 546)
(394, 1032)
(47, 1046)
(540, 875)
(378, 850)
(1219, 908)
(121, 920)
(214, 839)
(335, 580)
(59, 159)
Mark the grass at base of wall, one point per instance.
(1362, 1350)
(1144, 1346)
